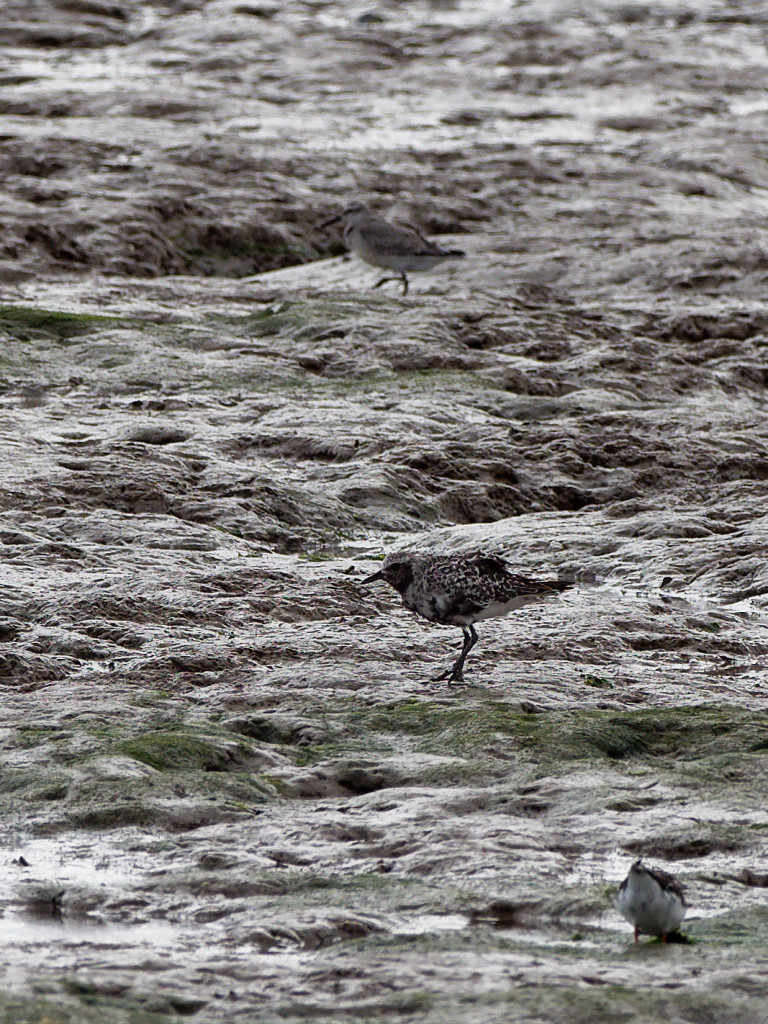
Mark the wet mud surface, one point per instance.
(229, 789)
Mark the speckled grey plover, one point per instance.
(392, 246)
(652, 901)
(460, 590)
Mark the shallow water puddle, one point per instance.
(424, 924)
(70, 860)
(25, 932)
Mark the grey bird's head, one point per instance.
(349, 215)
(397, 570)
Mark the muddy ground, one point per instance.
(229, 790)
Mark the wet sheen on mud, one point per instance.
(229, 790)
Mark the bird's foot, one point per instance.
(403, 281)
(384, 281)
(450, 675)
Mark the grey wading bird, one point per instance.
(391, 246)
(652, 901)
(460, 590)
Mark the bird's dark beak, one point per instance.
(376, 576)
(327, 223)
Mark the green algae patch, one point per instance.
(173, 801)
(32, 785)
(705, 731)
(79, 1007)
(700, 732)
(26, 323)
(743, 930)
(396, 1007)
(189, 780)
(293, 319)
(612, 1004)
(179, 751)
(369, 892)
(91, 994)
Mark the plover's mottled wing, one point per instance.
(494, 568)
(525, 585)
(491, 565)
(667, 882)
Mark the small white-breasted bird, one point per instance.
(392, 246)
(652, 901)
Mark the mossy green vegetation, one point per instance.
(609, 1004)
(409, 1004)
(79, 1006)
(37, 785)
(27, 322)
(747, 929)
(236, 251)
(666, 733)
(180, 751)
(291, 315)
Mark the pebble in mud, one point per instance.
(461, 590)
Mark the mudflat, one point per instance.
(229, 790)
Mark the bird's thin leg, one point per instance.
(455, 674)
(664, 938)
(450, 673)
(470, 639)
(402, 278)
(384, 281)
(637, 934)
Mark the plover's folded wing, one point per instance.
(406, 224)
(668, 882)
(496, 567)
(430, 248)
(512, 587)
(380, 235)
(491, 565)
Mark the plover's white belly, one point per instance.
(497, 608)
(442, 607)
(653, 911)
